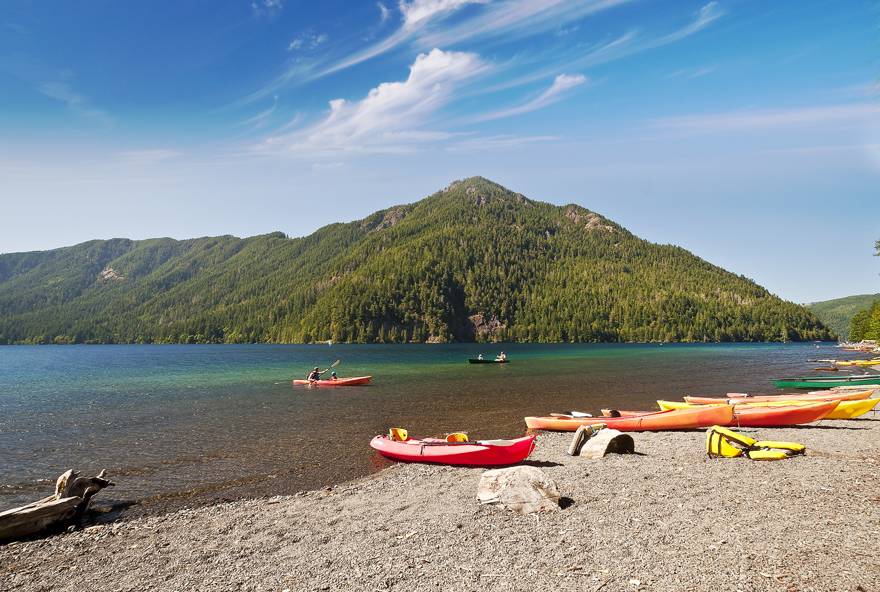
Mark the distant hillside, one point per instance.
(472, 262)
(838, 313)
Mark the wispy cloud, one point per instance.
(848, 115)
(691, 73)
(261, 119)
(148, 156)
(562, 84)
(417, 13)
(63, 91)
(392, 117)
(497, 142)
(384, 13)
(267, 8)
(309, 40)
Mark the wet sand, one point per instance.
(667, 519)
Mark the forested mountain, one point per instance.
(838, 313)
(474, 261)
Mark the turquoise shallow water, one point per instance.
(184, 424)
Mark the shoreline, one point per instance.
(665, 519)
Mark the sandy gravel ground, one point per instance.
(669, 519)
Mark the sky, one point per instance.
(743, 130)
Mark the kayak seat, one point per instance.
(457, 437)
(725, 443)
(398, 434)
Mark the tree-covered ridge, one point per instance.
(866, 323)
(838, 313)
(474, 261)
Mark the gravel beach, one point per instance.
(665, 519)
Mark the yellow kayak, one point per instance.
(844, 409)
(858, 363)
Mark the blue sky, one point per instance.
(746, 131)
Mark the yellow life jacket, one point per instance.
(722, 442)
(398, 434)
(457, 437)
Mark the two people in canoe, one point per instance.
(315, 375)
(499, 358)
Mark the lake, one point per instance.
(181, 425)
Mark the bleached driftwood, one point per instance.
(71, 498)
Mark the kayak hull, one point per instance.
(657, 421)
(771, 417)
(479, 361)
(353, 381)
(848, 395)
(430, 450)
(844, 409)
(824, 382)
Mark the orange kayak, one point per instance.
(818, 397)
(656, 421)
(746, 416)
(354, 381)
(767, 417)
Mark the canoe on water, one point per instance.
(826, 382)
(657, 421)
(835, 395)
(844, 409)
(485, 361)
(353, 381)
(480, 453)
(753, 416)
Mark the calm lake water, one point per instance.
(185, 424)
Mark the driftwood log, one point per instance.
(71, 498)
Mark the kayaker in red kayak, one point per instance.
(333, 376)
(315, 374)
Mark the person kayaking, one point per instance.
(480, 357)
(333, 376)
(502, 357)
(315, 374)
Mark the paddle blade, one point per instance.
(336, 363)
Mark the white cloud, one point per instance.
(416, 13)
(308, 40)
(262, 118)
(384, 13)
(561, 85)
(847, 115)
(393, 115)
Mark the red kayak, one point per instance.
(481, 453)
(354, 381)
(748, 417)
(650, 421)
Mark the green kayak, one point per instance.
(826, 382)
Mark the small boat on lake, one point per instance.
(354, 381)
(486, 361)
(826, 382)
(480, 453)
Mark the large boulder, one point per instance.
(522, 489)
(607, 441)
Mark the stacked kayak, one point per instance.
(826, 382)
(832, 395)
(481, 453)
(752, 416)
(844, 409)
(679, 419)
(354, 381)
